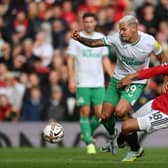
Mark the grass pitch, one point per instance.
(77, 158)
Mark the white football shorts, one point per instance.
(149, 119)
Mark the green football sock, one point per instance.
(85, 129)
(110, 124)
(94, 123)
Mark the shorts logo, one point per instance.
(80, 100)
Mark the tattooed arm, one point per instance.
(86, 41)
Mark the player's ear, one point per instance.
(95, 20)
(95, 23)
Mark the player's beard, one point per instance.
(125, 39)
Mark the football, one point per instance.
(53, 132)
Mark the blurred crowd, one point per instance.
(34, 36)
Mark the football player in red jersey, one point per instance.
(153, 115)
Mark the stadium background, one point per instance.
(34, 36)
(33, 89)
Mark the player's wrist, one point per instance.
(133, 76)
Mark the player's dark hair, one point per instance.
(88, 14)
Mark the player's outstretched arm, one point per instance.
(127, 80)
(86, 41)
(144, 74)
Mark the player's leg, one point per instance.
(107, 116)
(128, 98)
(94, 121)
(97, 100)
(110, 101)
(122, 108)
(131, 125)
(143, 122)
(135, 123)
(86, 129)
(113, 132)
(85, 124)
(121, 112)
(129, 129)
(83, 100)
(151, 120)
(97, 96)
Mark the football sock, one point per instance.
(109, 125)
(132, 141)
(121, 140)
(94, 123)
(85, 129)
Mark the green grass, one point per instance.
(77, 158)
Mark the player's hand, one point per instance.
(76, 35)
(125, 82)
(72, 86)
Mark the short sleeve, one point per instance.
(110, 39)
(72, 48)
(105, 51)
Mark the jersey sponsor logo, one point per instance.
(89, 53)
(130, 61)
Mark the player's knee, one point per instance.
(84, 113)
(125, 127)
(120, 112)
(105, 115)
(97, 114)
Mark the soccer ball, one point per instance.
(53, 132)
